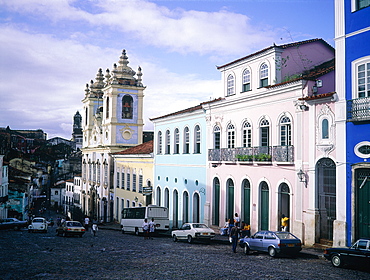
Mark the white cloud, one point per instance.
(178, 30)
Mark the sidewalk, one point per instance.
(219, 239)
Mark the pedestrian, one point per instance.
(284, 223)
(237, 220)
(224, 230)
(234, 234)
(231, 225)
(87, 221)
(94, 228)
(58, 221)
(151, 228)
(146, 229)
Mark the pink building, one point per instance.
(267, 135)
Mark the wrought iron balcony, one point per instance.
(358, 109)
(253, 154)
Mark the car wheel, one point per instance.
(16, 228)
(246, 249)
(64, 234)
(174, 238)
(190, 239)
(123, 231)
(272, 252)
(336, 261)
(136, 231)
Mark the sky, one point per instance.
(51, 48)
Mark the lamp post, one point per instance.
(302, 176)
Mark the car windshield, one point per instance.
(74, 224)
(199, 226)
(285, 235)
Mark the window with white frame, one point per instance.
(140, 181)
(324, 129)
(363, 79)
(230, 85)
(360, 4)
(216, 137)
(168, 142)
(197, 139)
(176, 142)
(230, 136)
(246, 80)
(264, 132)
(285, 131)
(264, 75)
(117, 178)
(247, 135)
(186, 140)
(128, 183)
(159, 147)
(134, 180)
(105, 173)
(123, 178)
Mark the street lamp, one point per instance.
(301, 176)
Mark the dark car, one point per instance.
(71, 228)
(272, 242)
(12, 223)
(357, 254)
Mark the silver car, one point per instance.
(272, 242)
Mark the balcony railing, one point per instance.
(358, 109)
(253, 154)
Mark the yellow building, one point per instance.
(133, 177)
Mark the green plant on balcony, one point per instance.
(244, 157)
(262, 157)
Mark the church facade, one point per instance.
(112, 121)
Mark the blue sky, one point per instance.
(51, 49)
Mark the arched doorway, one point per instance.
(326, 197)
(362, 187)
(230, 199)
(216, 202)
(196, 208)
(265, 207)
(158, 196)
(175, 210)
(185, 207)
(246, 201)
(167, 198)
(283, 203)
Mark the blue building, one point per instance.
(352, 38)
(180, 159)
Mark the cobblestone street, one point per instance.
(113, 255)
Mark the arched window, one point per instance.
(166, 198)
(246, 80)
(177, 142)
(186, 140)
(158, 196)
(230, 136)
(216, 137)
(107, 108)
(285, 131)
(127, 103)
(247, 135)
(197, 139)
(264, 133)
(159, 147)
(168, 142)
(264, 75)
(325, 129)
(230, 85)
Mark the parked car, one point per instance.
(12, 223)
(272, 242)
(357, 254)
(70, 228)
(191, 231)
(38, 224)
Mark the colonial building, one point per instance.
(180, 181)
(133, 169)
(352, 37)
(112, 121)
(264, 138)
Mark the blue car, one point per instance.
(272, 242)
